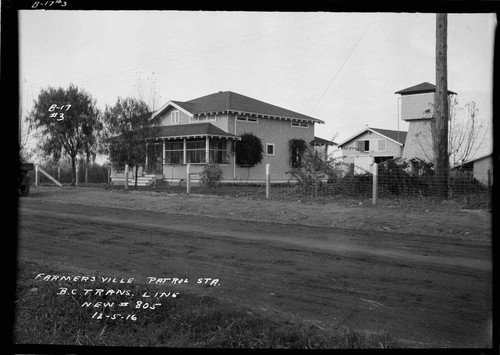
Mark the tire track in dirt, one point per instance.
(296, 270)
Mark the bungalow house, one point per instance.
(204, 130)
(372, 145)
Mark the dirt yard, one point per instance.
(447, 219)
(421, 274)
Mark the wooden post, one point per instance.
(36, 175)
(109, 175)
(441, 110)
(207, 150)
(188, 179)
(58, 173)
(184, 151)
(77, 168)
(86, 174)
(268, 181)
(375, 184)
(126, 176)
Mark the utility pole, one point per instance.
(441, 110)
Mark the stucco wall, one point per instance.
(419, 141)
(414, 106)
(349, 151)
(277, 132)
(270, 131)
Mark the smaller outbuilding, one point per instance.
(372, 145)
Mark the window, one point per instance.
(174, 153)
(195, 152)
(175, 117)
(247, 119)
(218, 151)
(270, 148)
(212, 118)
(381, 145)
(363, 146)
(296, 123)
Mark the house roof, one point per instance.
(321, 141)
(228, 101)
(395, 136)
(420, 89)
(191, 130)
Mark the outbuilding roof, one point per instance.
(396, 136)
(421, 89)
(321, 141)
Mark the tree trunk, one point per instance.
(441, 111)
(136, 172)
(73, 171)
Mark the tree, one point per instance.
(68, 123)
(128, 124)
(466, 134)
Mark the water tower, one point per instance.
(416, 108)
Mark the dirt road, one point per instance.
(426, 291)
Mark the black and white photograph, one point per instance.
(231, 178)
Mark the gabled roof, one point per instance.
(191, 130)
(398, 137)
(321, 141)
(228, 101)
(421, 89)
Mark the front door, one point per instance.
(155, 158)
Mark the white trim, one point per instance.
(170, 103)
(311, 120)
(371, 130)
(269, 145)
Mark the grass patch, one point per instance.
(44, 317)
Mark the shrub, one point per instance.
(249, 150)
(210, 177)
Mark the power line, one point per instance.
(345, 61)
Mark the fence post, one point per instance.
(109, 175)
(188, 179)
(58, 173)
(375, 183)
(126, 176)
(36, 175)
(268, 180)
(77, 178)
(86, 173)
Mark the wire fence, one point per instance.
(392, 181)
(87, 174)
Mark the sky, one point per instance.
(342, 68)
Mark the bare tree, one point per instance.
(466, 134)
(147, 91)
